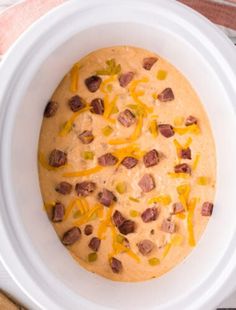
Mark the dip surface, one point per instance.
(127, 164)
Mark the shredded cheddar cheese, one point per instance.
(82, 173)
(202, 180)
(74, 78)
(165, 200)
(192, 129)
(183, 191)
(105, 224)
(181, 175)
(178, 121)
(68, 124)
(176, 240)
(153, 128)
(118, 247)
(135, 95)
(180, 147)
(195, 162)
(88, 216)
(133, 137)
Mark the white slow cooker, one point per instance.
(29, 73)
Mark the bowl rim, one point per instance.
(12, 61)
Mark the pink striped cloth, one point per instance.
(16, 19)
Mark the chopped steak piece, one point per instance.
(76, 103)
(106, 197)
(151, 158)
(149, 215)
(126, 118)
(190, 120)
(177, 207)
(145, 246)
(148, 62)
(126, 78)
(129, 162)
(71, 236)
(88, 229)
(116, 265)
(127, 227)
(50, 109)
(85, 188)
(94, 244)
(97, 106)
(93, 83)
(58, 212)
(168, 226)
(166, 95)
(107, 160)
(63, 188)
(186, 153)
(207, 208)
(57, 158)
(146, 183)
(166, 130)
(118, 218)
(86, 137)
(183, 168)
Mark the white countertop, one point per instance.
(6, 282)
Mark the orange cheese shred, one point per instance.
(192, 129)
(66, 128)
(133, 137)
(82, 173)
(74, 78)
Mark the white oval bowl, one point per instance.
(30, 72)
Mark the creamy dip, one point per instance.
(127, 164)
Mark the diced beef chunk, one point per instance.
(145, 246)
(126, 118)
(186, 153)
(57, 158)
(88, 230)
(149, 215)
(118, 218)
(190, 120)
(86, 137)
(127, 227)
(183, 168)
(97, 106)
(50, 109)
(93, 83)
(63, 188)
(147, 183)
(129, 162)
(148, 62)
(94, 244)
(166, 130)
(106, 197)
(168, 226)
(71, 236)
(126, 78)
(151, 158)
(58, 212)
(207, 208)
(76, 103)
(166, 95)
(85, 188)
(107, 160)
(116, 265)
(177, 207)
